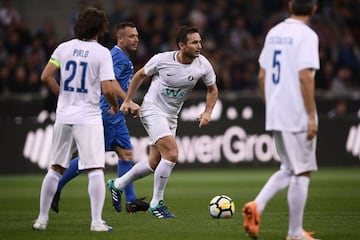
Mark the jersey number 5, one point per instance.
(276, 66)
(72, 66)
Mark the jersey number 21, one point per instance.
(72, 66)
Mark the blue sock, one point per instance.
(122, 168)
(69, 174)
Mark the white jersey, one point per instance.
(172, 81)
(289, 47)
(83, 64)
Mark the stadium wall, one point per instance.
(235, 138)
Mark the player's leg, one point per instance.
(62, 137)
(115, 186)
(163, 155)
(123, 148)
(123, 167)
(117, 138)
(91, 148)
(303, 159)
(167, 147)
(133, 204)
(71, 172)
(168, 150)
(278, 181)
(139, 170)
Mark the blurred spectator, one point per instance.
(325, 75)
(341, 83)
(349, 55)
(81, 4)
(18, 82)
(233, 31)
(339, 110)
(3, 52)
(4, 79)
(8, 14)
(118, 13)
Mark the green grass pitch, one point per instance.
(332, 211)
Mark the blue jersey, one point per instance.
(115, 130)
(124, 70)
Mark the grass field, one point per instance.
(333, 209)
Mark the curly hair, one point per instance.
(91, 22)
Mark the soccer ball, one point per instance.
(221, 206)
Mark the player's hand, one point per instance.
(112, 110)
(130, 106)
(134, 109)
(125, 106)
(204, 119)
(312, 128)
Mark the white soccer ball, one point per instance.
(221, 206)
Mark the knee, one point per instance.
(57, 168)
(171, 155)
(305, 174)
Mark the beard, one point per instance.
(191, 55)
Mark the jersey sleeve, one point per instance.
(151, 66)
(210, 76)
(106, 66)
(308, 52)
(262, 57)
(56, 56)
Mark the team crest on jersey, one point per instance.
(190, 78)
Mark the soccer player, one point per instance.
(85, 70)
(288, 61)
(173, 76)
(116, 133)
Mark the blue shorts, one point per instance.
(117, 135)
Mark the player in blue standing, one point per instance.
(117, 137)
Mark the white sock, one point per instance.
(139, 170)
(96, 189)
(297, 196)
(277, 182)
(161, 177)
(48, 189)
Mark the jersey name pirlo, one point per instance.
(172, 81)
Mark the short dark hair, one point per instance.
(91, 22)
(123, 25)
(183, 32)
(302, 7)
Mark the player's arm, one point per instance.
(48, 76)
(109, 93)
(211, 98)
(261, 80)
(307, 83)
(134, 107)
(118, 89)
(136, 81)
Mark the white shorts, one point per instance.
(296, 152)
(157, 124)
(88, 139)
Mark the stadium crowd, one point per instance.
(233, 32)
